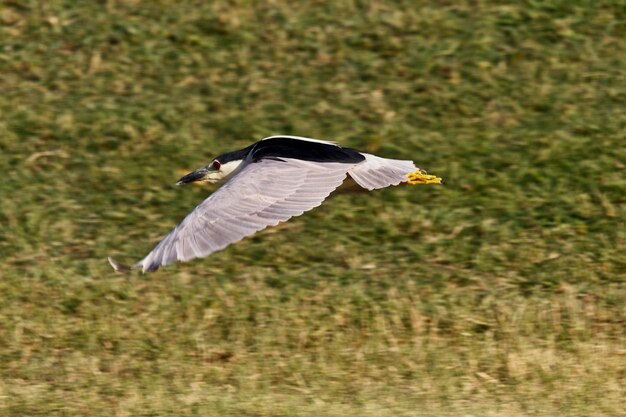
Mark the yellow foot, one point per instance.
(421, 177)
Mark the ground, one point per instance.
(499, 293)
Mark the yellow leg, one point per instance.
(421, 177)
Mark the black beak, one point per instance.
(194, 176)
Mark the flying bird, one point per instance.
(269, 182)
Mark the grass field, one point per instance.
(501, 293)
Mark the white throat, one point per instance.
(230, 168)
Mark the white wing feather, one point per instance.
(262, 194)
(327, 142)
(376, 172)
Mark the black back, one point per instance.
(285, 147)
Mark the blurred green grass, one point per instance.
(500, 293)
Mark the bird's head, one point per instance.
(212, 173)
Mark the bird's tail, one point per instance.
(376, 172)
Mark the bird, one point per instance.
(268, 182)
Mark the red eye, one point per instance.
(216, 165)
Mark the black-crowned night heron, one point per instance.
(269, 182)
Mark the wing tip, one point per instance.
(118, 266)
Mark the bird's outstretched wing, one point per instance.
(262, 194)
